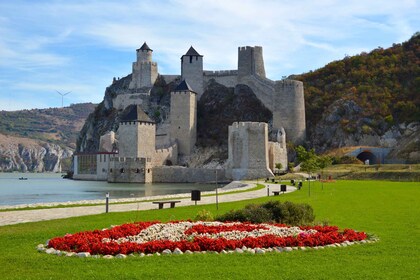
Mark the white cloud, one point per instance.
(52, 43)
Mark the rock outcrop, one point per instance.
(24, 154)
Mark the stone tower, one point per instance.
(136, 134)
(145, 71)
(192, 70)
(289, 110)
(183, 127)
(250, 61)
(248, 151)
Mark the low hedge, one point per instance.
(273, 211)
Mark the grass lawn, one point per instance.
(390, 210)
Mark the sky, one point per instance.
(79, 46)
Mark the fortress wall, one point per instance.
(228, 78)
(130, 170)
(248, 151)
(170, 78)
(122, 101)
(179, 174)
(263, 89)
(289, 110)
(163, 155)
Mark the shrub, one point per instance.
(273, 211)
(204, 215)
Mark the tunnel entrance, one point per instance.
(367, 155)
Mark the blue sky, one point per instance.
(79, 46)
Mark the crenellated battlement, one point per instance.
(248, 125)
(289, 83)
(129, 159)
(221, 73)
(152, 63)
(128, 123)
(185, 92)
(167, 149)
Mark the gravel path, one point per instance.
(24, 216)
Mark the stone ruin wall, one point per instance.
(248, 151)
(162, 156)
(179, 174)
(228, 78)
(135, 170)
(277, 154)
(122, 101)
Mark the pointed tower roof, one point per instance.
(135, 113)
(192, 52)
(184, 86)
(144, 47)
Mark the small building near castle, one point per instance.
(137, 153)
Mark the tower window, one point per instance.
(190, 59)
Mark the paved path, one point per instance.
(24, 216)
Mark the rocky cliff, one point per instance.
(40, 140)
(24, 154)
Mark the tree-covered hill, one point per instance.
(365, 99)
(54, 125)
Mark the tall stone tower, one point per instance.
(248, 151)
(289, 110)
(183, 127)
(145, 71)
(192, 70)
(250, 61)
(136, 134)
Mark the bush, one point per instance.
(273, 211)
(204, 215)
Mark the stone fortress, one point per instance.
(141, 152)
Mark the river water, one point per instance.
(50, 187)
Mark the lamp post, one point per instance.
(107, 202)
(217, 194)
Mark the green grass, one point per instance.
(390, 210)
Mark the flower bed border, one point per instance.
(91, 243)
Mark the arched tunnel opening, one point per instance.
(366, 155)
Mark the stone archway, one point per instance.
(367, 155)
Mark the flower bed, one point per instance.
(154, 237)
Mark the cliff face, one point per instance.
(24, 154)
(40, 139)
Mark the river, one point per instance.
(50, 187)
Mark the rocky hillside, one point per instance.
(368, 99)
(41, 139)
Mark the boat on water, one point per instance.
(23, 178)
